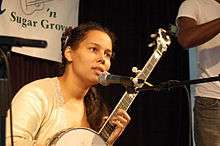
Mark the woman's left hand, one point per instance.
(121, 120)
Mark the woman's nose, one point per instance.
(101, 60)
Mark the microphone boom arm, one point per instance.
(174, 83)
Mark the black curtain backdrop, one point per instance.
(158, 118)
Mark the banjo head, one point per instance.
(77, 137)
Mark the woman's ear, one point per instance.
(68, 54)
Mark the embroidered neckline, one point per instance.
(59, 96)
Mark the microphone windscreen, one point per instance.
(102, 79)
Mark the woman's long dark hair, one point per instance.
(95, 107)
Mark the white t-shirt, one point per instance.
(208, 54)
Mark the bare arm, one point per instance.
(190, 34)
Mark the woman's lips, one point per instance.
(98, 70)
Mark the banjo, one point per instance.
(89, 137)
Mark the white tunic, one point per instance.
(39, 113)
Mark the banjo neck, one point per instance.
(162, 41)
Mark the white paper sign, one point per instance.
(40, 20)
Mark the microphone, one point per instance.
(106, 78)
(20, 42)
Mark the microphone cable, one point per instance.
(168, 85)
(172, 82)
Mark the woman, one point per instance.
(45, 107)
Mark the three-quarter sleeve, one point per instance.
(27, 115)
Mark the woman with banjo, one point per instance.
(64, 109)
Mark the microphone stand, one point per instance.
(175, 83)
(6, 43)
(5, 92)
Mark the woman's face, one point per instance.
(92, 56)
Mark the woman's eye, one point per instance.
(109, 55)
(93, 49)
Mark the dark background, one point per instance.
(158, 118)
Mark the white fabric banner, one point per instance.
(40, 20)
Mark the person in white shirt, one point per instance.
(198, 23)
